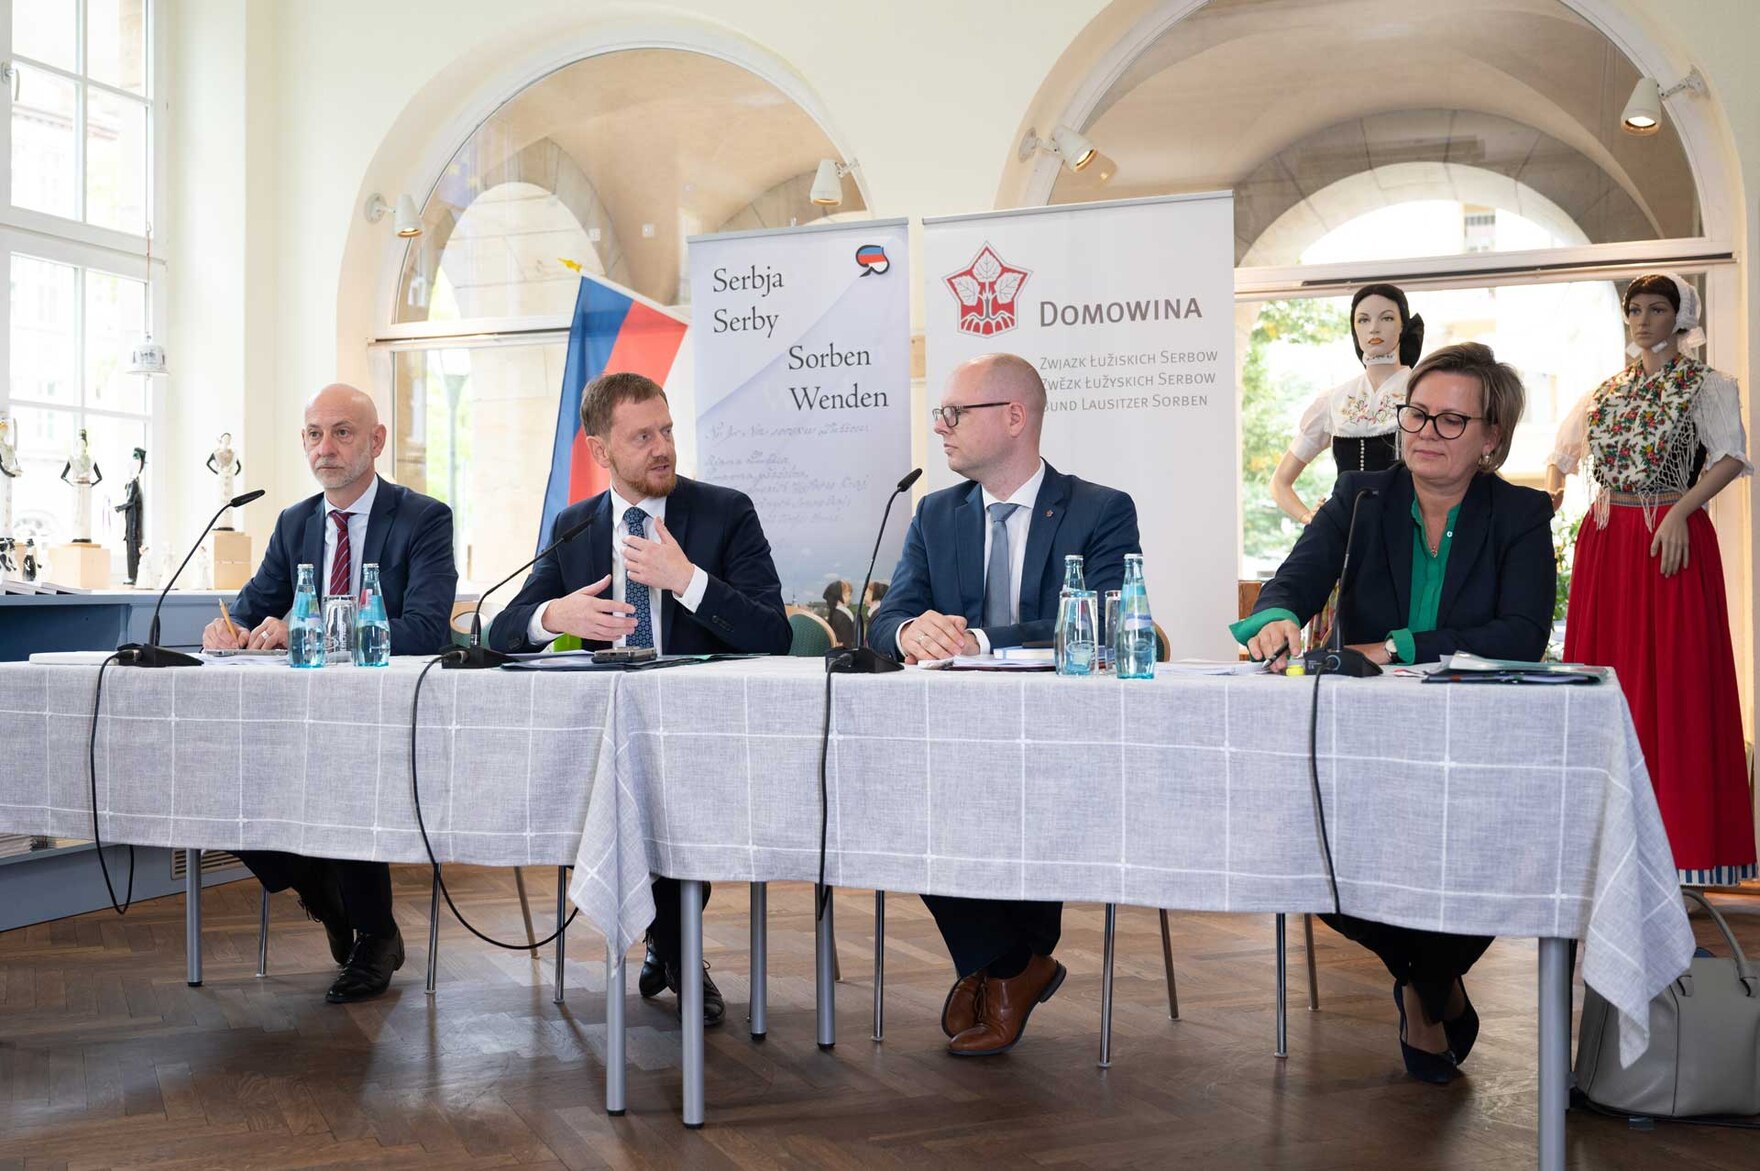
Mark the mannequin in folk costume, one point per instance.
(1661, 438)
(1356, 417)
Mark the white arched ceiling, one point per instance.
(646, 145)
(1285, 239)
(1208, 93)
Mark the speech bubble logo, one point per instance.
(872, 258)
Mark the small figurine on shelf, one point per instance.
(224, 462)
(133, 510)
(6, 563)
(10, 470)
(30, 559)
(86, 475)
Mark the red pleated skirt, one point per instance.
(1668, 638)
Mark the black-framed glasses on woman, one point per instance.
(950, 415)
(1449, 424)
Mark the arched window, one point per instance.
(1470, 153)
(604, 167)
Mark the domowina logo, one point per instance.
(987, 290)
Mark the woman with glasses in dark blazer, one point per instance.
(1448, 556)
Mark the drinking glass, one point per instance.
(1076, 640)
(1103, 654)
(339, 620)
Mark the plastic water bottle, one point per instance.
(1135, 645)
(372, 631)
(305, 626)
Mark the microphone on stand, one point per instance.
(476, 656)
(861, 659)
(1338, 659)
(150, 653)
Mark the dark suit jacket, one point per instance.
(942, 567)
(1497, 591)
(719, 531)
(409, 536)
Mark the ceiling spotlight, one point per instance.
(828, 182)
(1073, 148)
(1643, 113)
(408, 219)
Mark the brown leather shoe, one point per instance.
(1005, 1005)
(961, 1010)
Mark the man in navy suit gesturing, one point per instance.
(359, 519)
(981, 569)
(667, 562)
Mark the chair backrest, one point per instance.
(1246, 597)
(812, 635)
(1163, 648)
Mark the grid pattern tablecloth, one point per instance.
(1479, 810)
(315, 762)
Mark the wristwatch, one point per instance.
(1392, 649)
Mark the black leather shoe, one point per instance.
(322, 903)
(652, 980)
(369, 968)
(714, 1007)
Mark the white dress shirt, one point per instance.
(1018, 524)
(655, 506)
(357, 539)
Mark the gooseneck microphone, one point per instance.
(860, 659)
(1338, 659)
(476, 656)
(150, 653)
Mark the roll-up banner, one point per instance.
(1126, 311)
(803, 384)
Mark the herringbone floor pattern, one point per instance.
(107, 1059)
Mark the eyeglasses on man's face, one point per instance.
(949, 416)
(1449, 424)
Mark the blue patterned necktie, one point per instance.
(998, 606)
(636, 594)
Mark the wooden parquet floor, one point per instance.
(107, 1058)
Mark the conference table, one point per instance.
(1515, 811)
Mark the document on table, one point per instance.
(986, 663)
(1213, 667)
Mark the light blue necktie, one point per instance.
(636, 594)
(998, 607)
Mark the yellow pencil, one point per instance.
(230, 628)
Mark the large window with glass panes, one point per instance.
(75, 219)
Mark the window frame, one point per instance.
(87, 247)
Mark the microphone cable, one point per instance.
(92, 775)
(1314, 780)
(415, 793)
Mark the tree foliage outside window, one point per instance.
(1269, 410)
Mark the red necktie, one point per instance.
(342, 565)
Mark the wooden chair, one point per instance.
(812, 635)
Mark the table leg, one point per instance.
(1282, 990)
(1555, 1044)
(192, 915)
(1108, 944)
(614, 1036)
(760, 919)
(690, 996)
(433, 931)
(263, 935)
(824, 971)
(561, 920)
(879, 965)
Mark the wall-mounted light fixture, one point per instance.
(1643, 113)
(408, 220)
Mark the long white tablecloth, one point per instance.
(1521, 811)
(316, 762)
(1482, 810)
